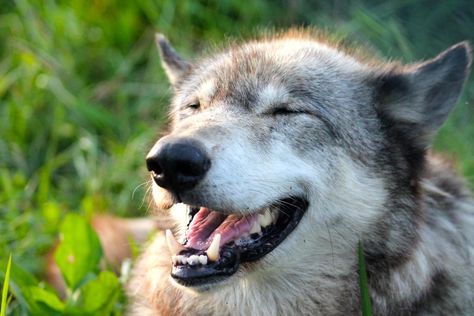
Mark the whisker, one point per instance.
(150, 204)
(147, 194)
(139, 186)
(330, 241)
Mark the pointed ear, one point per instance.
(417, 99)
(175, 66)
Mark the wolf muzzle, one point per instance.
(178, 164)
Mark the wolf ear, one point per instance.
(175, 66)
(417, 99)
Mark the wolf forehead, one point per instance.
(258, 74)
(410, 101)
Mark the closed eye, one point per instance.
(194, 105)
(285, 111)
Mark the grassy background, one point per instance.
(82, 94)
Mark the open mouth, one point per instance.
(216, 243)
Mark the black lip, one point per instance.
(227, 265)
(291, 210)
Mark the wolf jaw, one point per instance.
(216, 244)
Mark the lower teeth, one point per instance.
(191, 260)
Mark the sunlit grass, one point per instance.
(6, 283)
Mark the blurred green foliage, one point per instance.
(82, 95)
(89, 290)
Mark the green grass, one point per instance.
(365, 302)
(82, 97)
(6, 283)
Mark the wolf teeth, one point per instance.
(256, 228)
(191, 260)
(265, 219)
(179, 259)
(213, 250)
(174, 246)
(203, 259)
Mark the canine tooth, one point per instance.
(255, 228)
(265, 219)
(202, 260)
(174, 246)
(183, 259)
(213, 250)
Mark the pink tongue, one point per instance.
(206, 223)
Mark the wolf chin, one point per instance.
(282, 155)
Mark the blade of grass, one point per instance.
(365, 304)
(3, 309)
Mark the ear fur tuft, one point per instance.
(175, 66)
(418, 98)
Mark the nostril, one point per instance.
(153, 165)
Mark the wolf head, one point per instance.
(288, 151)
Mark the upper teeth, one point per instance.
(213, 250)
(267, 218)
(256, 228)
(174, 246)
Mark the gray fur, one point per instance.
(175, 66)
(422, 95)
(355, 149)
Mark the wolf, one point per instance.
(282, 156)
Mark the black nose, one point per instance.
(178, 165)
